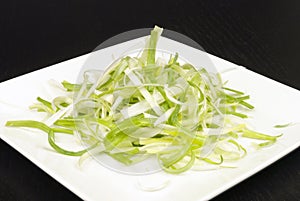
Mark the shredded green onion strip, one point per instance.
(140, 107)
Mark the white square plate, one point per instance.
(274, 103)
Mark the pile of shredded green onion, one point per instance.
(143, 106)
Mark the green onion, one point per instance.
(283, 125)
(141, 107)
(51, 135)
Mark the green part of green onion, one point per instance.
(51, 136)
(283, 125)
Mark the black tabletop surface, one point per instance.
(261, 35)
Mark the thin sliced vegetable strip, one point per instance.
(144, 106)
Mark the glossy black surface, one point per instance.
(261, 35)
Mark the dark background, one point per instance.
(261, 35)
